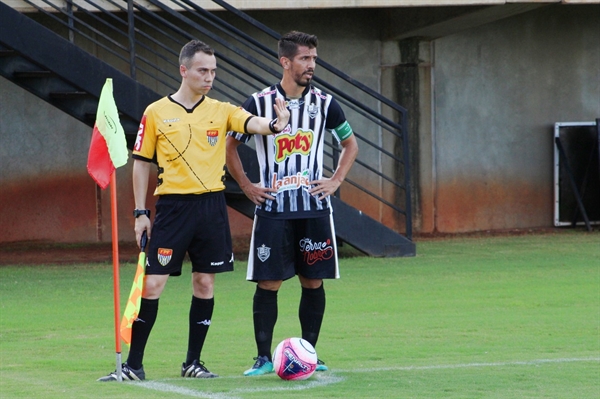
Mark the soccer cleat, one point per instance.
(262, 366)
(321, 366)
(196, 370)
(127, 373)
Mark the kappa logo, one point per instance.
(263, 252)
(212, 136)
(204, 322)
(164, 255)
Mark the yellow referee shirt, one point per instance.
(189, 144)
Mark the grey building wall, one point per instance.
(499, 89)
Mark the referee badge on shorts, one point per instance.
(263, 252)
(164, 255)
(212, 136)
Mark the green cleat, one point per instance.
(262, 366)
(321, 366)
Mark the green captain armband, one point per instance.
(343, 131)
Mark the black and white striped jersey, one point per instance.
(290, 159)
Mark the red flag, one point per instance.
(108, 148)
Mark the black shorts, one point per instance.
(194, 224)
(282, 248)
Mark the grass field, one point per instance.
(484, 317)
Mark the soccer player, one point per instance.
(293, 232)
(186, 133)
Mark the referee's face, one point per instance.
(302, 65)
(200, 72)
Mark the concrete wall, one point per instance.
(484, 100)
(498, 91)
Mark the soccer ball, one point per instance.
(294, 359)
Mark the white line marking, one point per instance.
(328, 378)
(467, 365)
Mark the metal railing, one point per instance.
(143, 39)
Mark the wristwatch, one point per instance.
(139, 212)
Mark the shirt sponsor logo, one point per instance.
(315, 251)
(288, 144)
(164, 255)
(140, 135)
(171, 120)
(291, 182)
(267, 93)
(263, 252)
(212, 136)
(318, 93)
(294, 104)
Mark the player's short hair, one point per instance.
(189, 50)
(289, 43)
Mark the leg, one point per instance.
(201, 310)
(142, 326)
(265, 315)
(311, 309)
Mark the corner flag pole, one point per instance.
(116, 288)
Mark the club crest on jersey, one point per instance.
(212, 136)
(263, 252)
(164, 255)
(287, 144)
(313, 110)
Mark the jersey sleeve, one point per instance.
(336, 121)
(145, 142)
(250, 106)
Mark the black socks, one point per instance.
(310, 312)
(201, 311)
(265, 316)
(140, 331)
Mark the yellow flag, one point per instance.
(132, 309)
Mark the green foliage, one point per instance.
(495, 317)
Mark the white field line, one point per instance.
(328, 378)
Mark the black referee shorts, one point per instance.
(282, 248)
(194, 224)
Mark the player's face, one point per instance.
(200, 73)
(302, 66)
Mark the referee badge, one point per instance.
(263, 252)
(212, 136)
(164, 255)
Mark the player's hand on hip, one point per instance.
(258, 194)
(323, 187)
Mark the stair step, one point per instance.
(6, 52)
(66, 95)
(32, 74)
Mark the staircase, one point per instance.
(71, 79)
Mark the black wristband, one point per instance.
(272, 126)
(140, 212)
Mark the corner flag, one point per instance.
(132, 309)
(108, 148)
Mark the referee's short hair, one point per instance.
(189, 50)
(289, 43)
